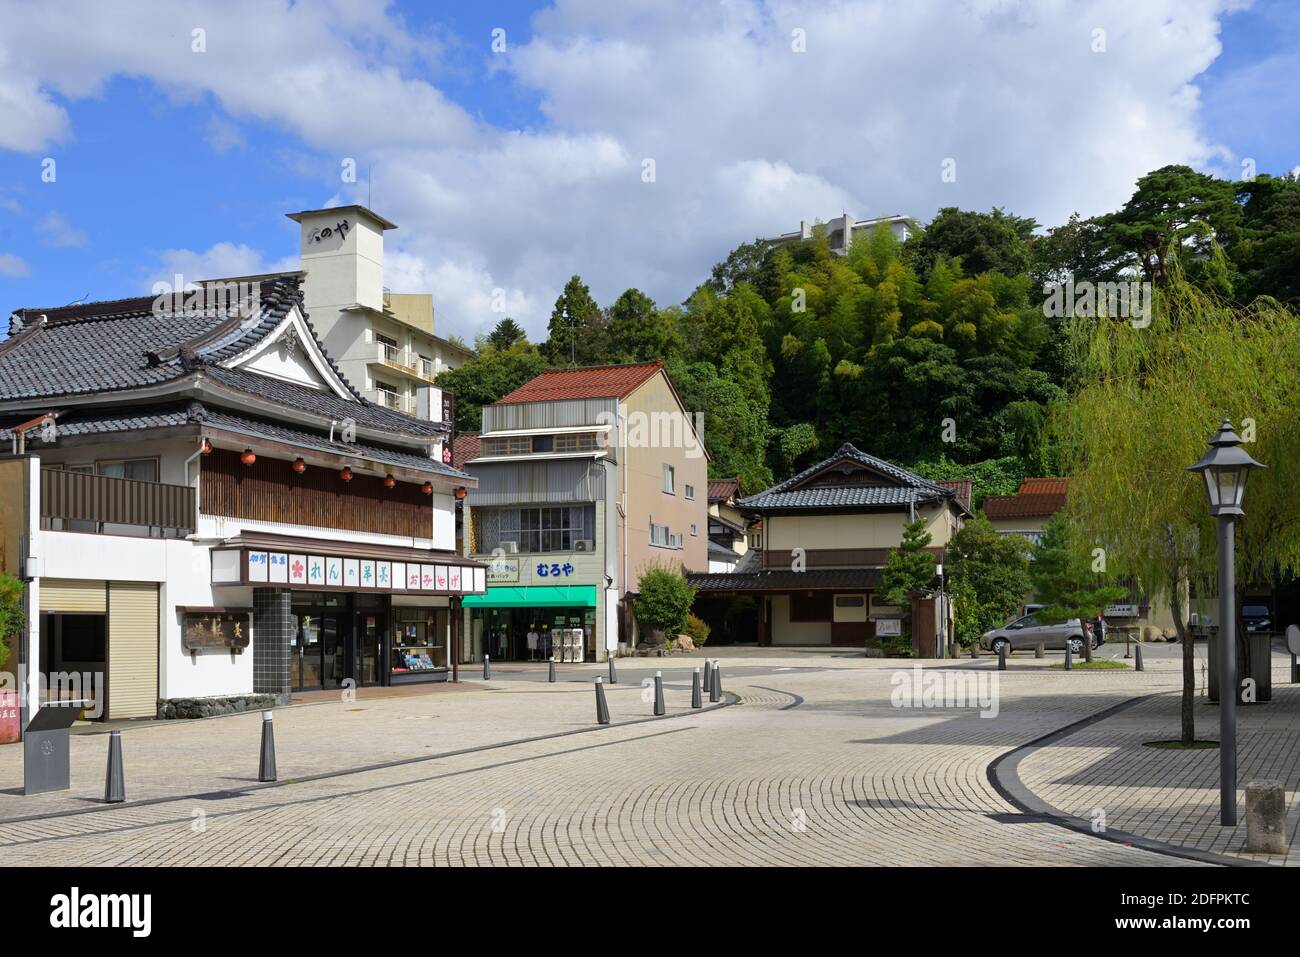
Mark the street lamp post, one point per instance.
(1225, 469)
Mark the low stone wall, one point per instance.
(211, 707)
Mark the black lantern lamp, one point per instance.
(1225, 468)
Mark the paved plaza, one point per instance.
(807, 761)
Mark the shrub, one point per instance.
(11, 614)
(697, 629)
(665, 599)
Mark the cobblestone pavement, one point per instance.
(814, 766)
(1173, 795)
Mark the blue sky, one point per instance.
(509, 171)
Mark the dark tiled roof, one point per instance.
(100, 422)
(722, 553)
(722, 490)
(325, 404)
(847, 579)
(791, 493)
(593, 382)
(124, 344)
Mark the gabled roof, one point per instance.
(116, 347)
(724, 489)
(964, 489)
(903, 488)
(591, 382)
(1037, 498)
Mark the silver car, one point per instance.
(1027, 632)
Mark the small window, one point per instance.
(542, 443)
(849, 601)
(690, 491)
(693, 532)
(659, 535)
(142, 470)
(670, 480)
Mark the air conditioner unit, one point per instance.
(510, 548)
(584, 545)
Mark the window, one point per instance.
(659, 535)
(576, 442)
(670, 480)
(510, 445)
(389, 395)
(551, 529)
(693, 532)
(756, 540)
(690, 491)
(142, 470)
(542, 443)
(810, 606)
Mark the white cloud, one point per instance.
(748, 136)
(58, 232)
(12, 267)
(219, 261)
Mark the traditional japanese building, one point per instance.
(826, 535)
(211, 510)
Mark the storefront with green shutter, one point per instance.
(532, 622)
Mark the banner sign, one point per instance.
(254, 567)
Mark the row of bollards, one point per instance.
(712, 682)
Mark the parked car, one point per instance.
(1027, 632)
(1257, 618)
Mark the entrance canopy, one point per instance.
(534, 596)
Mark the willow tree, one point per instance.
(1148, 400)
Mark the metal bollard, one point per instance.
(613, 675)
(551, 676)
(708, 675)
(974, 651)
(1039, 650)
(487, 667)
(266, 766)
(715, 686)
(696, 699)
(1002, 657)
(659, 692)
(115, 779)
(1266, 817)
(602, 709)
(1137, 657)
(1069, 658)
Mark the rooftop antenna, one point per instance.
(80, 300)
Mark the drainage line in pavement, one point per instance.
(798, 698)
(1003, 774)
(730, 699)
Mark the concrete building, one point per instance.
(384, 342)
(586, 478)
(844, 230)
(203, 507)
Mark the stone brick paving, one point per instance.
(1173, 795)
(814, 766)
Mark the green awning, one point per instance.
(534, 596)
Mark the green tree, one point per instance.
(486, 379)
(1150, 400)
(505, 334)
(576, 334)
(989, 568)
(640, 332)
(908, 568)
(1062, 579)
(984, 242)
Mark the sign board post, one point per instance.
(45, 747)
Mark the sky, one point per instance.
(632, 143)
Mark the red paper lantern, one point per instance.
(346, 474)
(427, 488)
(299, 465)
(461, 492)
(248, 458)
(390, 482)
(206, 449)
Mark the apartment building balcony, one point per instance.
(398, 403)
(103, 504)
(405, 361)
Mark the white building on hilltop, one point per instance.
(903, 227)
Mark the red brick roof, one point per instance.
(463, 448)
(593, 382)
(1037, 498)
(721, 490)
(963, 488)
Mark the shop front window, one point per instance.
(419, 640)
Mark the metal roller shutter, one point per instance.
(62, 594)
(132, 649)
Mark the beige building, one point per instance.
(589, 477)
(826, 535)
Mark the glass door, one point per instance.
(334, 635)
(370, 628)
(307, 665)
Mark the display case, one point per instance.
(417, 645)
